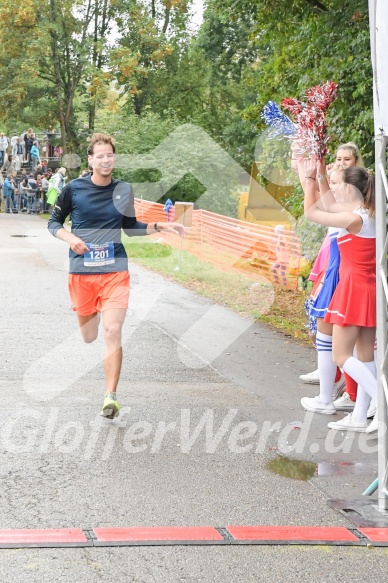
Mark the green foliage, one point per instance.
(157, 75)
(299, 46)
(311, 236)
(153, 38)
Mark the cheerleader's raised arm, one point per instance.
(340, 215)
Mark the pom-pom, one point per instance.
(293, 105)
(321, 96)
(279, 123)
(311, 136)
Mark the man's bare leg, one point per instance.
(113, 320)
(89, 326)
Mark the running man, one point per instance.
(100, 208)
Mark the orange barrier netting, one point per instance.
(230, 244)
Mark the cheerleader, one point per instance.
(346, 155)
(318, 307)
(352, 310)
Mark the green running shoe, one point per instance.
(110, 408)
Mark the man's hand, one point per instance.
(176, 228)
(78, 246)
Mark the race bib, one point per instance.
(99, 254)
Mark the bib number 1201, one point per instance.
(99, 254)
(103, 254)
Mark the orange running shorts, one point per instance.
(93, 293)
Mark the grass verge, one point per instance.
(248, 293)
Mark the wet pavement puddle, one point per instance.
(304, 470)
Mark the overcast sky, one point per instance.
(198, 8)
(196, 21)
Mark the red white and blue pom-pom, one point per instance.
(321, 96)
(293, 105)
(311, 135)
(278, 122)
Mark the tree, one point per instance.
(150, 33)
(304, 43)
(98, 76)
(56, 46)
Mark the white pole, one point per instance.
(382, 363)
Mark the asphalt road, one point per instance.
(208, 400)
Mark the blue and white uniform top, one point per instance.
(98, 215)
(330, 279)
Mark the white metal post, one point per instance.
(382, 300)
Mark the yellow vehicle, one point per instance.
(261, 205)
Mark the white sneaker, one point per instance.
(338, 388)
(371, 411)
(311, 378)
(347, 424)
(344, 403)
(372, 427)
(316, 406)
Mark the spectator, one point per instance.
(59, 179)
(14, 139)
(8, 191)
(17, 153)
(3, 148)
(23, 141)
(45, 185)
(31, 194)
(38, 194)
(57, 182)
(38, 170)
(10, 165)
(17, 181)
(29, 142)
(15, 191)
(50, 135)
(34, 155)
(24, 189)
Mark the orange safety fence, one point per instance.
(231, 244)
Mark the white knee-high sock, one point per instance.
(363, 399)
(361, 406)
(326, 366)
(361, 373)
(373, 369)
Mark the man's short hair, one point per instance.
(100, 139)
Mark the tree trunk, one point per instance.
(100, 30)
(166, 20)
(138, 104)
(92, 115)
